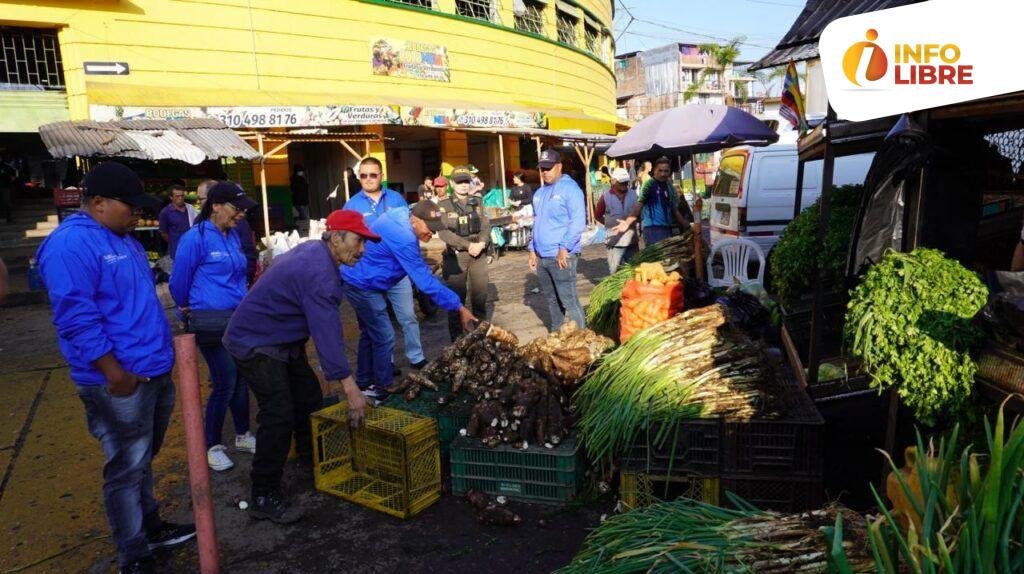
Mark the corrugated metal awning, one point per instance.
(191, 141)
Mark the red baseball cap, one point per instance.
(348, 220)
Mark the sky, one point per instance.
(660, 22)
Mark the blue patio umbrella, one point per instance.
(694, 128)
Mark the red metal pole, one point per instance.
(195, 447)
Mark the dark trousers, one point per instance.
(130, 430)
(286, 393)
(228, 393)
(463, 273)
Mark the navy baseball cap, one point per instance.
(549, 158)
(229, 192)
(117, 181)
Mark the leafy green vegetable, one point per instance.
(793, 256)
(909, 320)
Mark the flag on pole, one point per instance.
(792, 106)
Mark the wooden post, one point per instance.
(828, 164)
(698, 251)
(799, 187)
(501, 159)
(263, 188)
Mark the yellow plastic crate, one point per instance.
(637, 489)
(392, 464)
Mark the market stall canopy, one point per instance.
(696, 128)
(189, 140)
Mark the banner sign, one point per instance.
(918, 56)
(409, 59)
(463, 118)
(260, 116)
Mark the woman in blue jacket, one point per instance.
(209, 277)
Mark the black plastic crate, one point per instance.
(779, 493)
(797, 320)
(693, 446)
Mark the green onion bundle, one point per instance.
(603, 308)
(691, 366)
(689, 536)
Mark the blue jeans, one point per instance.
(376, 338)
(228, 392)
(559, 287)
(655, 233)
(130, 430)
(402, 302)
(619, 255)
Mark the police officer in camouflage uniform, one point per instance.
(466, 235)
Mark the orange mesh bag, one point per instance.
(647, 304)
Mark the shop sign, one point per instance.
(260, 116)
(463, 118)
(410, 59)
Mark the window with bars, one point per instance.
(479, 9)
(592, 40)
(531, 18)
(428, 4)
(31, 57)
(567, 30)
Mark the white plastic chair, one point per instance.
(736, 255)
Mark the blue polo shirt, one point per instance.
(174, 223)
(560, 216)
(396, 255)
(371, 210)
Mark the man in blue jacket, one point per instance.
(560, 217)
(397, 257)
(112, 330)
(297, 298)
(374, 201)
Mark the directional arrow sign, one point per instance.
(107, 68)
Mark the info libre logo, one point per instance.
(919, 64)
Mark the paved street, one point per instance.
(51, 515)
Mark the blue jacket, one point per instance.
(296, 298)
(389, 200)
(209, 270)
(104, 300)
(397, 254)
(560, 216)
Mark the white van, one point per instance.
(755, 189)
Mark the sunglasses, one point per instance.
(369, 175)
(545, 169)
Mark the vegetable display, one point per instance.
(603, 308)
(652, 296)
(689, 536)
(696, 364)
(793, 265)
(965, 509)
(910, 323)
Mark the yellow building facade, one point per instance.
(423, 75)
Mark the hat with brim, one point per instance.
(117, 181)
(348, 220)
(430, 215)
(230, 192)
(548, 159)
(461, 176)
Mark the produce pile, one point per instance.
(652, 296)
(697, 364)
(910, 322)
(689, 536)
(603, 309)
(520, 396)
(793, 257)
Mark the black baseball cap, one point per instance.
(428, 212)
(117, 181)
(229, 192)
(461, 175)
(549, 158)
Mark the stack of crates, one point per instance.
(536, 474)
(773, 463)
(392, 464)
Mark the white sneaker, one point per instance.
(246, 442)
(217, 457)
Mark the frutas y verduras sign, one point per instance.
(920, 56)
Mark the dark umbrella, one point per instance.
(695, 128)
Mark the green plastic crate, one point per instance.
(449, 422)
(537, 474)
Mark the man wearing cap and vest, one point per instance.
(373, 201)
(615, 205)
(560, 216)
(397, 257)
(112, 330)
(466, 233)
(297, 298)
